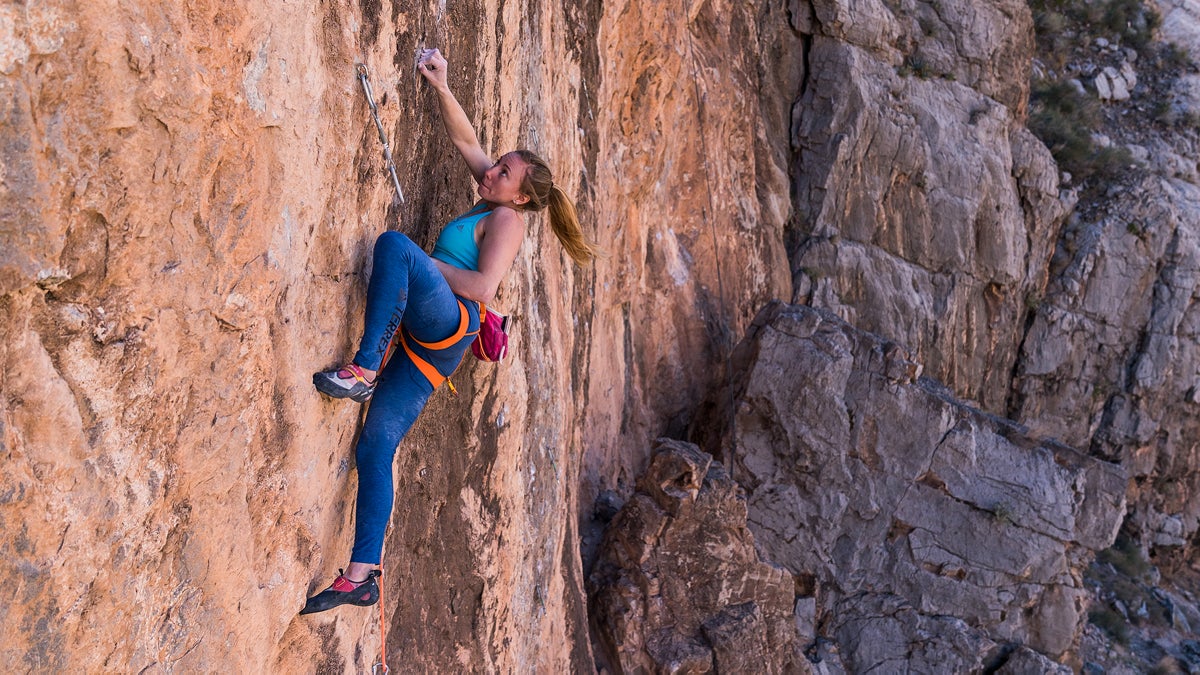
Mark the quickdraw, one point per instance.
(387, 151)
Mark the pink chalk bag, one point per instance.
(492, 342)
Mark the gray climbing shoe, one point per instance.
(348, 382)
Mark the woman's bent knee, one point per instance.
(392, 243)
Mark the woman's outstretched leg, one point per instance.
(395, 407)
(402, 394)
(431, 313)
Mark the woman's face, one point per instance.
(501, 184)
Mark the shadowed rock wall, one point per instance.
(679, 584)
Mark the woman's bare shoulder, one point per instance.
(505, 217)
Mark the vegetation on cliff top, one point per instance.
(1078, 42)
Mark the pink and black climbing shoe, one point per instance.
(345, 592)
(348, 382)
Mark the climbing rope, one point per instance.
(382, 667)
(728, 342)
(387, 151)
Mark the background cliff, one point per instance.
(188, 196)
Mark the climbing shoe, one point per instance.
(348, 382)
(345, 592)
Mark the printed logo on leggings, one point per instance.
(388, 332)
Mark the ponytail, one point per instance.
(539, 186)
(565, 224)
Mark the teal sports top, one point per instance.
(456, 244)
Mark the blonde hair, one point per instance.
(539, 186)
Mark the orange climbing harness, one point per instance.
(431, 373)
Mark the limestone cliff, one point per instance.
(926, 210)
(188, 196)
(932, 530)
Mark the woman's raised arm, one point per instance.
(433, 68)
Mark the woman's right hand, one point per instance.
(433, 67)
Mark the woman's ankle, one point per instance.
(363, 372)
(358, 572)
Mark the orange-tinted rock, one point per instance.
(189, 194)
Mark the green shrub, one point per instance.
(1125, 556)
(1134, 22)
(1112, 623)
(1174, 57)
(1002, 513)
(1064, 119)
(1130, 22)
(915, 65)
(1050, 22)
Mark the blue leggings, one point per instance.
(406, 289)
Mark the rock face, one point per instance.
(188, 199)
(1112, 357)
(1181, 23)
(925, 210)
(678, 586)
(933, 530)
(927, 213)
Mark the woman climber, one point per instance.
(429, 305)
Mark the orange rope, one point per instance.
(382, 627)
